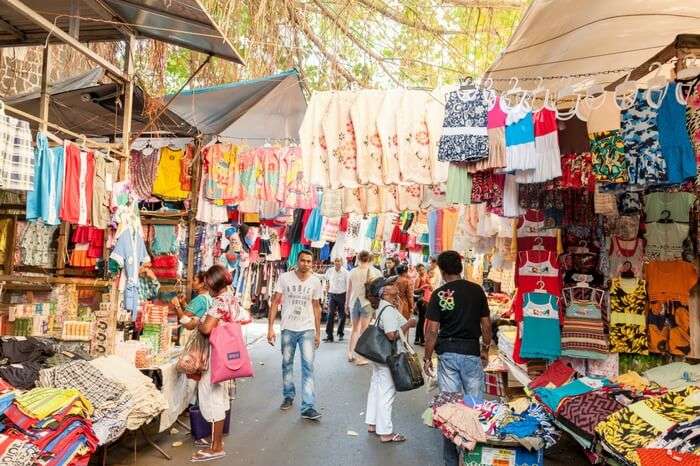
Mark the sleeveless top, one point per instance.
(675, 143)
(641, 139)
(520, 137)
(623, 252)
(627, 320)
(464, 136)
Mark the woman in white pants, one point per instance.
(382, 392)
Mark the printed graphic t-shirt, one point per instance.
(458, 306)
(297, 301)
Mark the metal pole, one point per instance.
(128, 103)
(44, 101)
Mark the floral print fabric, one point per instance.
(464, 137)
(627, 322)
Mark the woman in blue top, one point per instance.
(198, 306)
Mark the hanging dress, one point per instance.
(44, 201)
(541, 337)
(464, 133)
(547, 152)
(642, 148)
(340, 141)
(459, 184)
(496, 129)
(142, 172)
(607, 146)
(628, 302)
(692, 116)
(76, 202)
(312, 139)
(435, 114)
(676, 147)
(387, 128)
(414, 143)
(626, 256)
(520, 137)
(369, 145)
(167, 183)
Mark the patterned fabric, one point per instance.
(104, 394)
(16, 154)
(692, 117)
(642, 148)
(36, 245)
(583, 412)
(142, 172)
(609, 162)
(464, 136)
(630, 428)
(627, 322)
(668, 324)
(583, 333)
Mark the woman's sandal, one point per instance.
(204, 455)
(372, 430)
(202, 442)
(396, 438)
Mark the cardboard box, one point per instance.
(500, 456)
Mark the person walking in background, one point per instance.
(214, 399)
(423, 289)
(404, 285)
(390, 267)
(338, 278)
(358, 307)
(434, 273)
(299, 293)
(457, 318)
(382, 392)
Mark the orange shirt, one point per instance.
(670, 280)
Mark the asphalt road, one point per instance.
(263, 435)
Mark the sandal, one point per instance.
(396, 438)
(205, 455)
(202, 442)
(362, 363)
(372, 430)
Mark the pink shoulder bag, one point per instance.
(229, 354)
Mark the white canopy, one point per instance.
(569, 37)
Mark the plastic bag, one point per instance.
(195, 355)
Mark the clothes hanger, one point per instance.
(625, 93)
(540, 287)
(658, 82)
(594, 92)
(537, 91)
(539, 244)
(689, 72)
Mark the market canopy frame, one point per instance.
(258, 110)
(602, 40)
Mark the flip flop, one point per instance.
(397, 438)
(202, 456)
(361, 363)
(202, 442)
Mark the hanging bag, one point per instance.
(194, 357)
(405, 367)
(373, 343)
(229, 354)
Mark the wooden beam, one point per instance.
(54, 30)
(45, 97)
(35, 280)
(10, 29)
(74, 20)
(128, 103)
(194, 205)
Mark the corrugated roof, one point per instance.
(185, 23)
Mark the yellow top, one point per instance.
(167, 183)
(40, 403)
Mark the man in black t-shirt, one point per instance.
(457, 317)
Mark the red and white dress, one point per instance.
(76, 204)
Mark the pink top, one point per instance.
(545, 122)
(496, 117)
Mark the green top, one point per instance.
(199, 305)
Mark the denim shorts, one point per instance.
(358, 310)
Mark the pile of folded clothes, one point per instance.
(48, 426)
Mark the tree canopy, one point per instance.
(336, 44)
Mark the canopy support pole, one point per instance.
(45, 98)
(128, 102)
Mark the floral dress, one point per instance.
(464, 134)
(609, 162)
(627, 321)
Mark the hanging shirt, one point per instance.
(387, 128)
(464, 136)
(167, 183)
(76, 203)
(340, 140)
(106, 173)
(16, 154)
(369, 145)
(412, 132)
(130, 253)
(44, 201)
(312, 139)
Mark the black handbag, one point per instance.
(405, 367)
(373, 343)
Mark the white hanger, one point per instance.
(625, 93)
(689, 72)
(565, 115)
(656, 83)
(514, 90)
(538, 90)
(593, 92)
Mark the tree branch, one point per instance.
(389, 13)
(495, 4)
(345, 30)
(330, 56)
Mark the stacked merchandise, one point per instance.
(46, 426)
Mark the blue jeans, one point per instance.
(459, 373)
(305, 340)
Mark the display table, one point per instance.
(176, 388)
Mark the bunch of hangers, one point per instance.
(625, 93)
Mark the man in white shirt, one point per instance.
(337, 277)
(299, 292)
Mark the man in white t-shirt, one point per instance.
(337, 278)
(299, 292)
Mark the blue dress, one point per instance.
(676, 147)
(44, 201)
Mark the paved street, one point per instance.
(263, 435)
